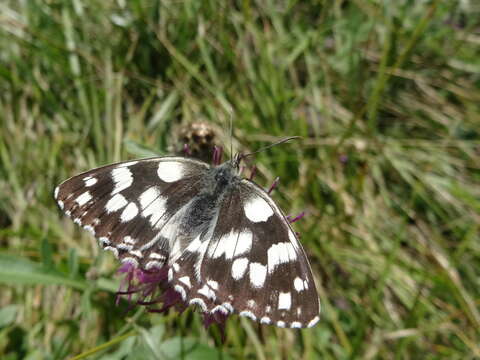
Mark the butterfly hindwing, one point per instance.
(251, 263)
(133, 207)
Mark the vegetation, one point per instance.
(386, 97)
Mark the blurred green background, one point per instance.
(386, 97)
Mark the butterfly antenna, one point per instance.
(231, 132)
(272, 145)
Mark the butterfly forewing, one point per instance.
(251, 264)
(132, 207)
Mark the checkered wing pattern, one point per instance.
(250, 263)
(133, 207)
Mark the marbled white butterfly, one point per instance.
(228, 246)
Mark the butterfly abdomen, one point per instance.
(202, 211)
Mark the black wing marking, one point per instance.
(133, 207)
(251, 263)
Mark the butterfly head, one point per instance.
(239, 156)
(227, 172)
(236, 161)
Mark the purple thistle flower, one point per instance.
(217, 155)
(296, 218)
(274, 185)
(187, 150)
(150, 288)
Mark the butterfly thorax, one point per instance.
(217, 183)
(224, 176)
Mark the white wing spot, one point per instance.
(112, 249)
(90, 229)
(194, 245)
(89, 181)
(186, 281)
(228, 306)
(201, 251)
(232, 244)
(221, 309)
(213, 284)
(298, 284)
(257, 209)
(137, 253)
(248, 314)
(296, 325)
(153, 264)
(83, 199)
(224, 245)
(170, 171)
(207, 292)
(169, 232)
(125, 247)
(115, 203)
(129, 240)
(122, 177)
(281, 324)
(258, 273)
(251, 303)
(313, 321)
(55, 193)
(148, 196)
(199, 302)
(60, 203)
(265, 320)
(292, 254)
(129, 213)
(244, 243)
(181, 291)
(104, 240)
(280, 253)
(238, 268)
(158, 256)
(305, 284)
(284, 301)
(130, 260)
(152, 204)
